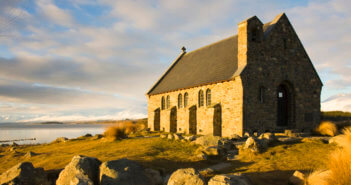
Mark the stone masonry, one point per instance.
(273, 87)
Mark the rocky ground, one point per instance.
(166, 159)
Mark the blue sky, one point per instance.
(87, 59)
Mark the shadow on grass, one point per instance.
(277, 177)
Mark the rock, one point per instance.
(97, 136)
(207, 140)
(14, 144)
(61, 139)
(190, 138)
(236, 179)
(297, 178)
(154, 176)
(318, 177)
(226, 144)
(122, 172)
(246, 134)
(186, 176)
(235, 137)
(211, 151)
(170, 136)
(269, 136)
(251, 143)
(80, 179)
(88, 135)
(255, 145)
(80, 167)
(177, 137)
(163, 136)
(24, 174)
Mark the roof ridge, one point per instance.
(214, 43)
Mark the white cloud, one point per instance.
(54, 13)
(340, 102)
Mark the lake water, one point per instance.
(45, 133)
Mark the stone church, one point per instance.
(256, 81)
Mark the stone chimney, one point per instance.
(250, 37)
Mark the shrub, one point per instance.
(122, 129)
(339, 165)
(327, 128)
(115, 132)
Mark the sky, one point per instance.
(86, 59)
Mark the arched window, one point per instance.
(208, 97)
(168, 104)
(163, 103)
(261, 94)
(201, 98)
(180, 101)
(186, 99)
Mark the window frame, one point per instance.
(208, 97)
(201, 98)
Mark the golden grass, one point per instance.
(327, 128)
(122, 130)
(339, 164)
(152, 152)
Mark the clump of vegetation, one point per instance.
(121, 130)
(339, 165)
(327, 128)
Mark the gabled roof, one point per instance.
(212, 63)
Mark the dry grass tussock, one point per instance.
(339, 165)
(327, 128)
(122, 130)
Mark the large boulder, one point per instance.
(270, 137)
(190, 138)
(123, 172)
(255, 145)
(186, 176)
(154, 176)
(297, 178)
(236, 179)
(80, 169)
(177, 137)
(170, 136)
(24, 174)
(207, 140)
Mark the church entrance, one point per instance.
(157, 120)
(173, 120)
(217, 120)
(284, 105)
(192, 120)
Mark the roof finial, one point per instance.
(184, 49)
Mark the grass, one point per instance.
(327, 128)
(152, 152)
(272, 167)
(338, 170)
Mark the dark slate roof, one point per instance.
(212, 63)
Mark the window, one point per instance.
(186, 99)
(180, 101)
(261, 94)
(201, 98)
(163, 103)
(168, 104)
(208, 97)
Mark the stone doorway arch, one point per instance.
(173, 120)
(192, 120)
(285, 104)
(217, 120)
(157, 117)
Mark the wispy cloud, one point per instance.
(98, 58)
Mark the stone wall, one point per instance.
(228, 94)
(278, 57)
